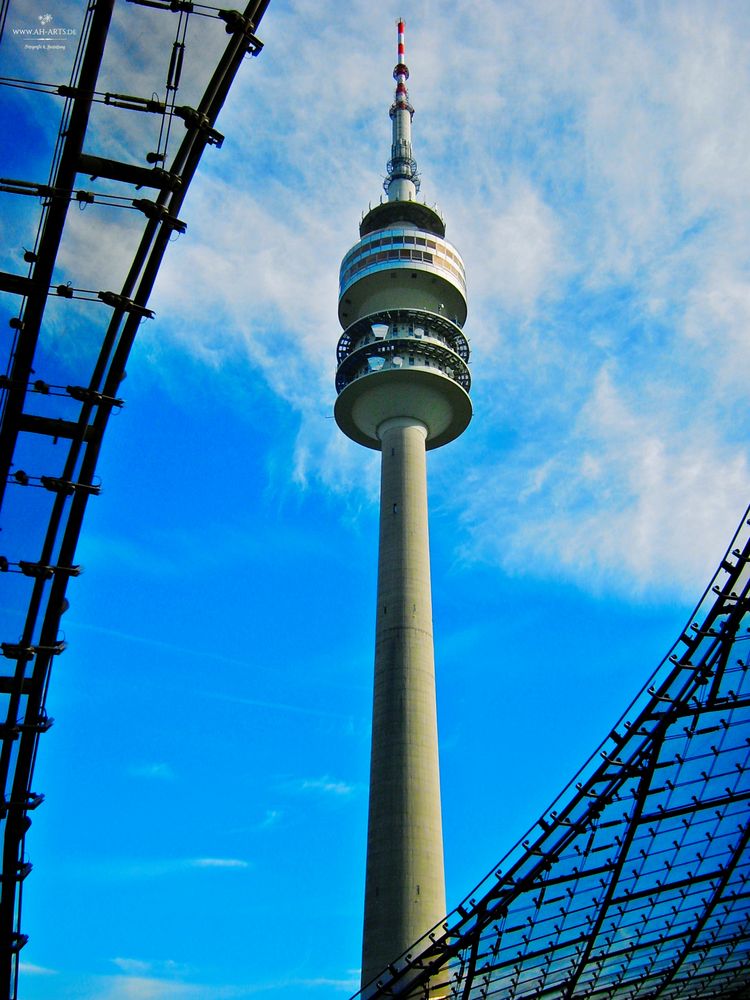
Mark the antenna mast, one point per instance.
(402, 182)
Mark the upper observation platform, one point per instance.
(370, 269)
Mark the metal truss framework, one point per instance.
(51, 434)
(635, 883)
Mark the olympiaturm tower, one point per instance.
(402, 383)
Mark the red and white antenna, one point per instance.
(401, 75)
(402, 182)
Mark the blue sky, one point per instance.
(204, 822)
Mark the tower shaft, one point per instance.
(405, 885)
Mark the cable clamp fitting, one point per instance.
(118, 301)
(55, 484)
(15, 651)
(238, 24)
(152, 210)
(200, 122)
(84, 395)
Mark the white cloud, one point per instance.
(350, 984)
(326, 785)
(150, 868)
(146, 987)
(628, 502)
(30, 969)
(271, 819)
(132, 966)
(515, 255)
(218, 863)
(593, 173)
(136, 987)
(155, 771)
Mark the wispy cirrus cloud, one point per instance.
(326, 786)
(141, 967)
(143, 987)
(157, 771)
(348, 983)
(150, 868)
(598, 197)
(602, 509)
(153, 987)
(31, 969)
(218, 863)
(592, 172)
(271, 819)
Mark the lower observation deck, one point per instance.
(400, 353)
(418, 321)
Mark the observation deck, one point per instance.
(402, 303)
(422, 253)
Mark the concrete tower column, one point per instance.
(405, 886)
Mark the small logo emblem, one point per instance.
(45, 19)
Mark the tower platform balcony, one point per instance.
(417, 324)
(380, 355)
(423, 394)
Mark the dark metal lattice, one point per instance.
(55, 409)
(635, 883)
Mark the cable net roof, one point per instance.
(634, 883)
